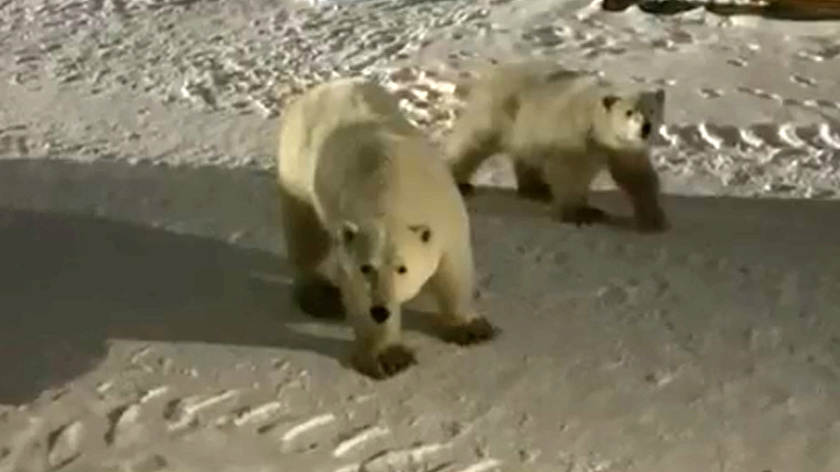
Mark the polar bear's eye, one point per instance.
(629, 113)
(402, 269)
(366, 268)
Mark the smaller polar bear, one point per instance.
(561, 128)
(363, 192)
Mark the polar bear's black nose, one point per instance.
(379, 313)
(646, 129)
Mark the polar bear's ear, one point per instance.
(423, 231)
(609, 101)
(347, 232)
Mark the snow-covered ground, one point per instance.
(145, 322)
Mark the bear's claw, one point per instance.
(583, 215)
(395, 359)
(473, 332)
(390, 361)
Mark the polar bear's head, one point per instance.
(385, 264)
(626, 122)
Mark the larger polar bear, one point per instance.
(561, 128)
(362, 187)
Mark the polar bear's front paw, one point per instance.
(387, 362)
(474, 331)
(319, 298)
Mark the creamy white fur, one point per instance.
(353, 169)
(560, 128)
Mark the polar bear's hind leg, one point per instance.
(530, 183)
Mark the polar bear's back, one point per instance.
(308, 120)
(555, 113)
(346, 148)
(365, 170)
(525, 101)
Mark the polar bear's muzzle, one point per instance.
(379, 313)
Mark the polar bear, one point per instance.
(560, 128)
(367, 200)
